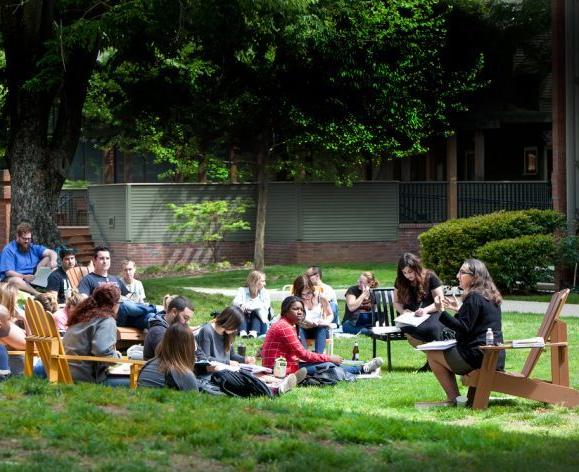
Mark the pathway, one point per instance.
(507, 306)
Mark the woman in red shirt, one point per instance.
(282, 341)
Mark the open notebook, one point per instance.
(437, 345)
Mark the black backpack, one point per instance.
(240, 384)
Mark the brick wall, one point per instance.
(146, 254)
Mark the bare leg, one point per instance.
(413, 341)
(20, 284)
(444, 375)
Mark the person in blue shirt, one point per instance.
(21, 258)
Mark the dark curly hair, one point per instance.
(99, 305)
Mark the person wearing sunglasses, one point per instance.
(314, 273)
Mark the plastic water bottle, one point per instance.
(490, 337)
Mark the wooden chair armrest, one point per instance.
(509, 345)
(106, 360)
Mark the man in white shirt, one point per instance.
(134, 286)
(314, 273)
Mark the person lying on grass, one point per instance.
(480, 311)
(282, 341)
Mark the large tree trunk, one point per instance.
(41, 93)
(261, 173)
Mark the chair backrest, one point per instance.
(46, 336)
(383, 309)
(74, 274)
(551, 316)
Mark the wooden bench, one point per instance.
(383, 313)
(127, 337)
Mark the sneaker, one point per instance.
(287, 384)
(373, 365)
(243, 334)
(252, 334)
(301, 375)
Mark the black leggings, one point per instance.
(430, 330)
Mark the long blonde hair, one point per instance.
(8, 298)
(252, 281)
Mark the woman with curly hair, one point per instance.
(92, 331)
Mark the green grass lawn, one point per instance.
(367, 425)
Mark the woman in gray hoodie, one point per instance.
(92, 331)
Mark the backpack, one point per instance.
(326, 375)
(240, 384)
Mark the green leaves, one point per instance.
(209, 222)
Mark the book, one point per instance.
(529, 342)
(41, 277)
(410, 319)
(385, 329)
(437, 345)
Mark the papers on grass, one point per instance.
(530, 342)
(254, 369)
(410, 319)
(41, 277)
(437, 345)
(120, 369)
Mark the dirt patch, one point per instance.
(195, 462)
(114, 410)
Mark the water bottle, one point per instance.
(490, 337)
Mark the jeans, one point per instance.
(311, 367)
(4, 366)
(363, 324)
(319, 334)
(135, 315)
(336, 311)
(252, 322)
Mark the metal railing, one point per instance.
(423, 202)
(478, 198)
(72, 208)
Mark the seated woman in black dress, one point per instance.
(414, 291)
(480, 311)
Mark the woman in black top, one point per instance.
(480, 310)
(359, 303)
(414, 291)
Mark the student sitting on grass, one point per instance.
(282, 341)
(173, 364)
(318, 317)
(216, 338)
(254, 301)
(480, 311)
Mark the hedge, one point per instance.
(519, 263)
(445, 246)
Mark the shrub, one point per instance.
(445, 246)
(519, 263)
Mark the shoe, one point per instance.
(373, 365)
(287, 384)
(252, 334)
(427, 405)
(301, 375)
(425, 368)
(243, 334)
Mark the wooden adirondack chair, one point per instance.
(556, 391)
(46, 339)
(74, 274)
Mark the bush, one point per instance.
(519, 263)
(445, 246)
